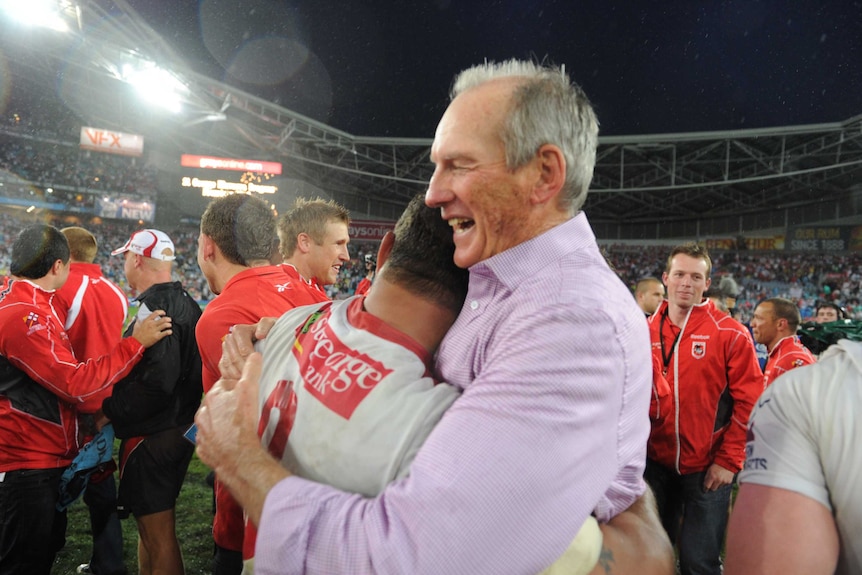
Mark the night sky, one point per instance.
(383, 68)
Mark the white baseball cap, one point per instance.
(149, 243)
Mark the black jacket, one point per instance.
(164, 390)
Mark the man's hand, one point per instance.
(156, 327)
(717, 476)
(227, 439)
(239, 344)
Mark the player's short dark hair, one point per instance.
(242, 226)
(36, 249)
(783, 308)
(421, 259)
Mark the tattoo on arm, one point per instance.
(606, 559)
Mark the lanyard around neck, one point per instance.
(666, 357)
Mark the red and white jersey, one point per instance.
(92, 310)
(346, 399)
(788, 353)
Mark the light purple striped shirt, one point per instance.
(553, 355)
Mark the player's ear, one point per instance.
(303, 242)
(207, 247)
(385, 249)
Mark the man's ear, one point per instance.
(208, 248)
(303, 242)
(552, 174)
(57, 267)
(384, 250)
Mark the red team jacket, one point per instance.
(248, 296)
(92, 310)
(789, 353)
(42, 382)
(714, 380)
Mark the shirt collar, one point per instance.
(521, 262)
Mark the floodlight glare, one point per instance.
(155, 85)
(40, 13)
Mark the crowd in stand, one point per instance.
(805, 278)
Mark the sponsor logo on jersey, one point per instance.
(283, 287)
(698, 349)
(337, 375)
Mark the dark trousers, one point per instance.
(695, 520)
(101, 499)
(226, 562)
(32, 531)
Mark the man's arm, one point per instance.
(501, 464)
(635, 542)
(774, 531)
(45, 355)
(149, 387)
(745, 381)
(227, 439)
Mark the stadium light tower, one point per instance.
(154, 84)
(37, 13)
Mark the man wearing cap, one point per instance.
(93, 310)
(234, 249)
(41, 383)
(154, 405)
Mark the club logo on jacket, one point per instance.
(698, 349)
(337, 375)
(32, 321)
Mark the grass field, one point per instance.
(194, 529)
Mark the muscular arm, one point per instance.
(774, 531)
(635, 542)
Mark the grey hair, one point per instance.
(547, 108)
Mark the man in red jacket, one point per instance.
(234, 249)
(774, 324)
(41, 383)
(698, 444)
(93, 310)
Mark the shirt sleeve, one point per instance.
(781, 450)
(209, 333)
(43, 352)
(745, 381)
(149, 388)
(502, 484)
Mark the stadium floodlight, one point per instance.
(38, 13)
(155, 85)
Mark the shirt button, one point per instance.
(474, 304)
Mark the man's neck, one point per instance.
(302, 269)
(415, 316)
(44, 282)
(677, 314)
(774, 343)
(151, 280)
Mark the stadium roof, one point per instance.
(663, 185)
